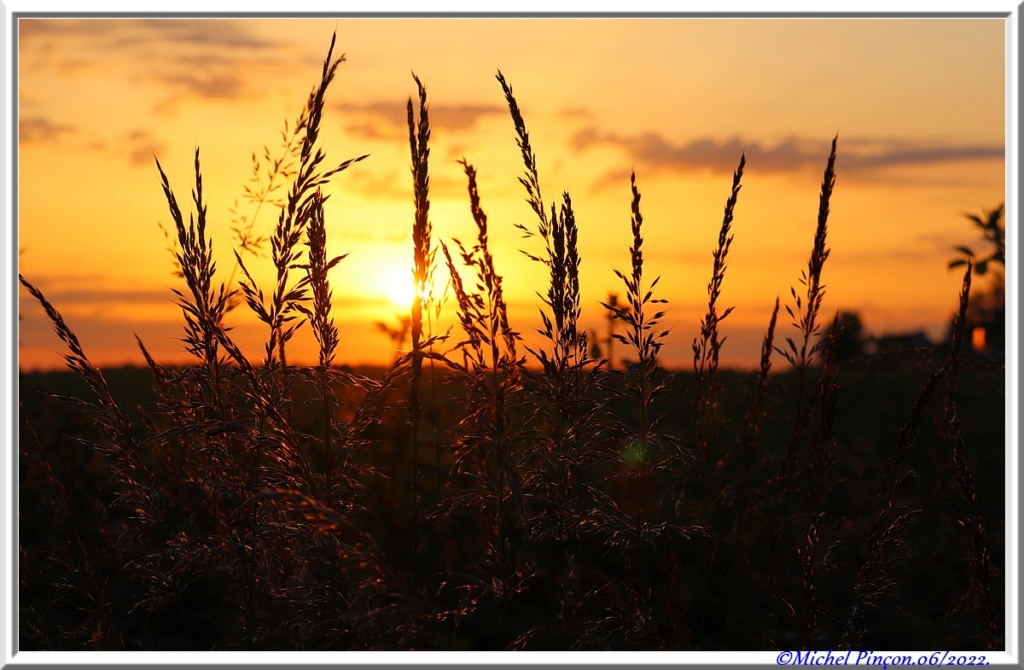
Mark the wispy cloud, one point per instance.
(141, 147)
(137, 146)
(858, 158)
(387, 121)
(378, 185)
(574, 113)
(38, 129)
(205, 84)
(226, 33)
(389, 184)
(187, 59)
(108, 296)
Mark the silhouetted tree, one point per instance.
(850, 339)
(987, 305)
(993, 228)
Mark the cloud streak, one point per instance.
(206, 85)
(859, 156)
(189, 59)
(39, 129)
(107, 296)
(229, 34)
(387, 121)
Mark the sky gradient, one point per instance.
(919, 107)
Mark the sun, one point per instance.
(399, 289)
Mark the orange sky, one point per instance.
(919, 106)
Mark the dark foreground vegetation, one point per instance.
(487, 494)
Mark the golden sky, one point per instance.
(919, 106)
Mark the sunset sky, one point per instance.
(919, 106)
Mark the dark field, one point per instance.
(702, 557)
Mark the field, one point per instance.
(487, 492)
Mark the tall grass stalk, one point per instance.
(707, 347)
(645, 448)
(530, 181)
(423, 262)
(280, 314)
(134, 480)
(808, 306)
(804, 312)
(979, 558)
(324, 329)
(204, 310)
(566, 437)
(755, 414)
(485, 450)
(645, 340)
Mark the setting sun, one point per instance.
(399, 289)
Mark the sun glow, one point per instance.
(399, 289)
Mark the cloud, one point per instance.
(141, 148)
(116, 33)
(180, 83)
(225, 33)
(138, 146)
(925, 155)
(187, 59)
(397, 185)
(205, 84)
(904, 255)
(857, 157)
(378, 185)
(574, 113)
(51, 281)
(105, 296)
(388, 121)
(39, 129)
(462, 117)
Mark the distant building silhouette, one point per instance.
(896, 341)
